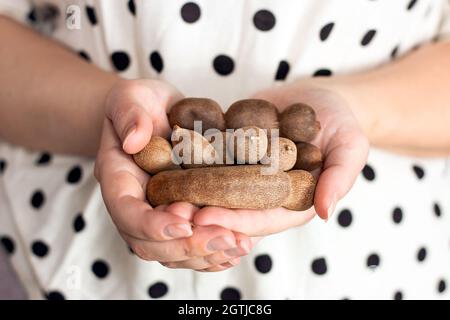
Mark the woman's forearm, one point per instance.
(405, 105)
(49, 98)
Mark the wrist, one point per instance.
(359, 98)
(103, 85)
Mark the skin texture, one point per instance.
(188, 110)
(156, 156)
(252, 112)
(309, 157)
(298, 123)
(228, 186)
(287, 154)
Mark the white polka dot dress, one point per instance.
(389, 238)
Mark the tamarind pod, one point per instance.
(192, 142)
(309, 157)
(188, 110)
(287, 155)
(249, 144)
(228, 186)
(156, 156)
(301, 196)
(252, 112)
(298, 123)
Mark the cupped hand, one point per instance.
(342, 142)
(135, 110)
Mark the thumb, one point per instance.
(133, 124)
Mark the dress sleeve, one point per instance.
(18, 10)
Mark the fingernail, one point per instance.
(231, 263)
(331, 209)
(178, 230)
(128, 134)
(226, 265)
(220, 243)
(234, 252)
(245, 245)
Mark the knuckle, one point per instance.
(119, 113)
(186, 249)
(148, 232)
(210, 260)
(166, 252)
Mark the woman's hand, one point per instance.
(136, 110)
(343, 144)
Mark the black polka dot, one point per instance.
(92, 16)
(282, 71)
(421, 254)
(373, 260)
(345, 218)
(263, 263)
(319, 266)
(411, 5)
(264, 20)
(100, 268)
(394, 52)
(230, 293)
(442, 285)
(44, 158)
(190, 12)
(323, 73)
(419, 172)
(156, 61)
(132, 7)
(120, 60)
(368, 37)
(368, 173)
(223, 65)
(55, 295)
(158, 290)
(437, 209)
(39, 248)
(2, 165)
(79, 223)
(84, 55)
(8, 244)
(74, 175)
(37, 199)
(325, 31)
(397, 215)
(398, 295)
(32, 16)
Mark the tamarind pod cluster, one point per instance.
(225, 169)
